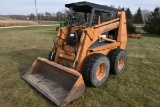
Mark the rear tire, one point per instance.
(96, 70)
(118, 59)
(57, 28)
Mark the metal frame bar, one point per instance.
(91, 17)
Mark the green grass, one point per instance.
(48, 22)
(139, 85)
(138, 24)
(139, 29)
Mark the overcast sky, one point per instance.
(25, 7)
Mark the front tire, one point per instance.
(96, 70)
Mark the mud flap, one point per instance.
(58, 83)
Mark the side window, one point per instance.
(100, 17)
(95, 17)
(106, 16)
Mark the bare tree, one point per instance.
(112, 6)
(32, 16)
(59, 16)
(146, 13)
(119, 7)
(67, 12)
(48, 16)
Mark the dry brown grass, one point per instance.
(48, 22)
(6, 23)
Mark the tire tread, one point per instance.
(88, 66)
(112, 57)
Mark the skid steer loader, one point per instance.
(83, 53)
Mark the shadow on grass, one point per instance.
(150, 35)
(53, 33)
(145, 33)
(24, 60)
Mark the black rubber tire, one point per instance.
(90, 67)
(57, 28)
(114, 56)
(51, 56)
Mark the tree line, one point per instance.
(138, 17)
(152, 25)
(151, 19)
(47, 16)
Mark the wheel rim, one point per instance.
(121, 62)
(101, 71)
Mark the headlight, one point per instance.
(71, 35)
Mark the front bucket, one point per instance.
(58, 83)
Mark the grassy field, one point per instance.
(138, 86)
(138, 24)
(48, 22)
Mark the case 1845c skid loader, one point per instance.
(84, 52)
